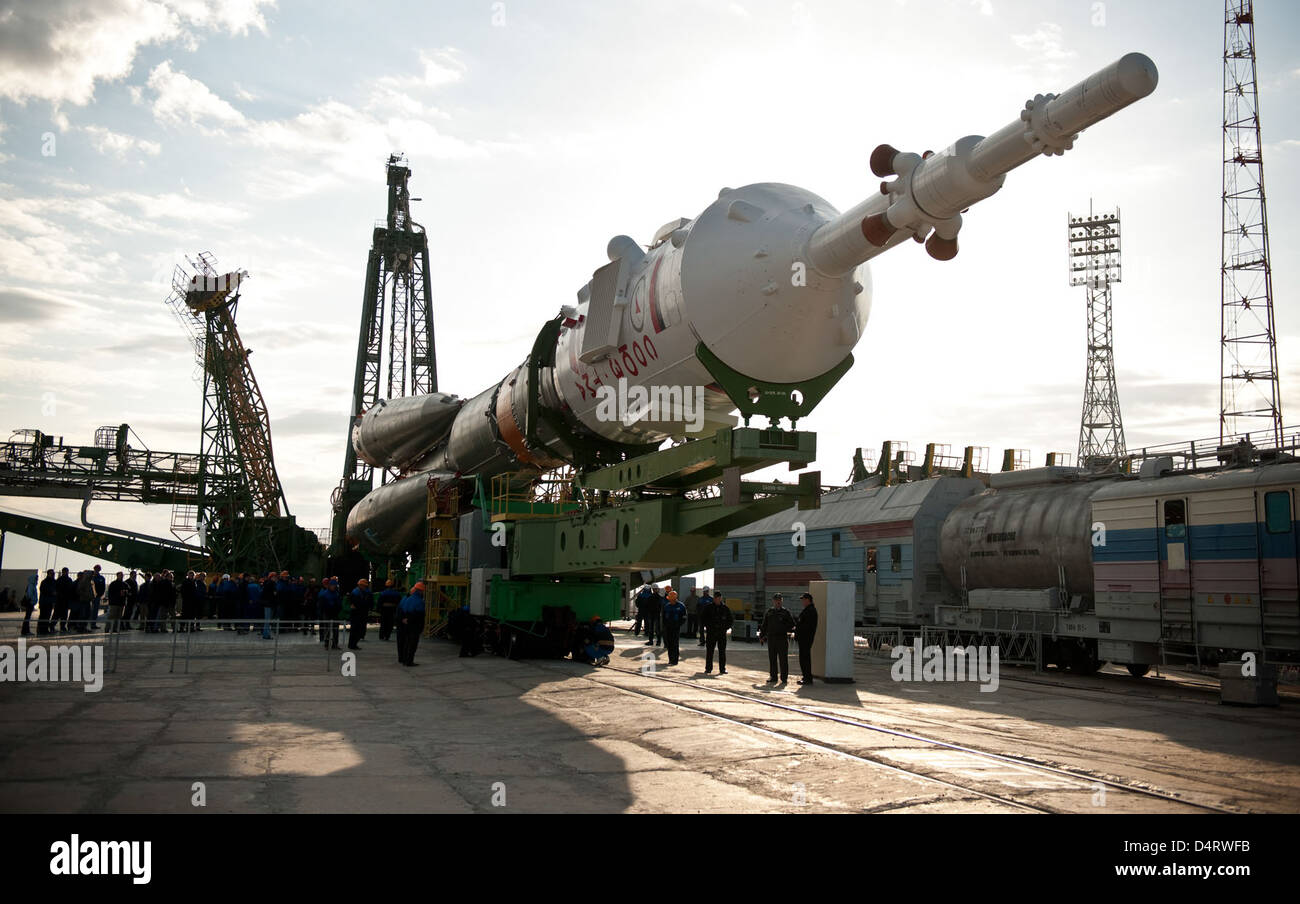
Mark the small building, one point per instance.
(883, 539)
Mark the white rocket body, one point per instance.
(770, 278)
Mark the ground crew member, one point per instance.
(65, 599)
(48, 593)
(653, 609)
(642, 604)
(600, 644)
(410, 625)
(718, 622)
(692, 604)
(702, 612)
(388, 601)
(329, 604)
(359, 599)
(805, 629)
(673, 615)
(116, 603)
(775, 632)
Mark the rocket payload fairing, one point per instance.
(770, 279)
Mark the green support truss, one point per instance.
(654, 511)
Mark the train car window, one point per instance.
(871, 560)
(835, 545)
(735, 552)
(799, 551)
(895, 558)
(1176, 519)
(1277, 512)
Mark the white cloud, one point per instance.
(106, 141)
(442, 67)
(235, 17)
(984, 6)
(58, 50)
(184, 99)
(1046, 46)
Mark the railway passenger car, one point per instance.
(1056, 565)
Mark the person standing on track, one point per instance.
(775, 633)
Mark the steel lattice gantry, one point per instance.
(396, 289)
(1094, 255)
(1249, 394)
(238, 511)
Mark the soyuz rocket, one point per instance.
(722, 281)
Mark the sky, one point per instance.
(136, 132)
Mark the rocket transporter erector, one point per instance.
(770, 283)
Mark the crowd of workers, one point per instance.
(156, 603)
(277, 603)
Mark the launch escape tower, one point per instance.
(1094, 255)
(1249, 395)
(397, 287)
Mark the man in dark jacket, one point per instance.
(162, 601)
(718, 621)
(654, 608)
(329, 605)
(410, 624)
(360, 599)
(775, 632)
(192, 592)
(805, 629)
(116, 596)
(49, 594)
(388, 601)
(702, 613)
(65, 599)
(101, 585)
(642, 601)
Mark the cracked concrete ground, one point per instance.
(490, 735)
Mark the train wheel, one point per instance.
(1138, 669)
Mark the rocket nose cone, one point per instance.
(1138, 74)
(753, 299)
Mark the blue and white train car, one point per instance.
(1190, 565)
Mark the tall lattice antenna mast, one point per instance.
(1094, 243)
(1250, 398)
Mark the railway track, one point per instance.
(957, 767)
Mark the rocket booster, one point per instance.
(770, 278)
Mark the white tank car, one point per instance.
(770, 279)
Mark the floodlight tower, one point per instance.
(1250, 398)
(1094, 245)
